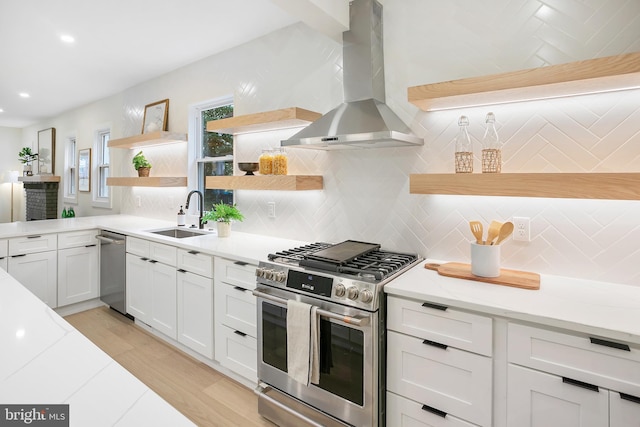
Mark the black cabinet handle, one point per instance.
(33, 237)
(90, 246)
(612, 344)
(242, 334)
(435, 344)
(194, 252)
(18, 256)
(181, 270)
(238, 288)
(435, 306)
(580, 384)
(242, 263)
(144, 259)
(435, 411)
(630, 398)
(152, 261)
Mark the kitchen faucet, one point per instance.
(201, 200)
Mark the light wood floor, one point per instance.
(205, 396)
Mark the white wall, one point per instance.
(11, 144)
(366, 193)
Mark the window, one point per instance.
(101, 193)
(212, 152)
(70, 195)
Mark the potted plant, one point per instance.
(26, 156)
(141, 164)
(223, 214)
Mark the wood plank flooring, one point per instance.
(202, 394)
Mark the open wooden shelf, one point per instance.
(265, 182)
(150, 181)
(148, 140)
(261, 122)
(615, 186)
(574, 78)
(39, 178)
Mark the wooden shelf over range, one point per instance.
(265, 182)
(150, 181)
(148, 140)
(615, 186)
(574, 78)
(265, 121)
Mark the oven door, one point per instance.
(348, 384)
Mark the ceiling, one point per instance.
(118, 44)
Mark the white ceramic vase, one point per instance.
(224, 229)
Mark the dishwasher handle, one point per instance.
(110, 240)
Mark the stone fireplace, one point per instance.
(41, 200)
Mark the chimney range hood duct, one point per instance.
(363, 120)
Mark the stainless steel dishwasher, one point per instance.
(112, 270)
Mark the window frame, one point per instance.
(70, 180)
(100, 168)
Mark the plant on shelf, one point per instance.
(141, 164)
(26, 156)
(223, 214)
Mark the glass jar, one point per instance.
(265, 162)
(464, 152)
(491, 147)
(280, 161)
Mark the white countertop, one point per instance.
(44, 360)
(605, 309)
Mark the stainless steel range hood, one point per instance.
(363, 120)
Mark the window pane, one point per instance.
(104, 189)
(105, 149)
(215, 145)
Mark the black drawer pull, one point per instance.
(580, 384)
(181, 270)
(435, 306)
(90, 246)
(152, 261)
(33, 237)
(242, 334)
(18, 256)
(144, 259)
(435, 411)
(611, 344)
(435, 344)
(630, 398)
(238, 288)
(194, 252)
(240, 263)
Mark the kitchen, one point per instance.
(366, 192)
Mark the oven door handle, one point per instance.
(356, 321)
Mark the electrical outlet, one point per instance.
(271, 209)
(521, 229)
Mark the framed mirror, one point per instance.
(46, 151)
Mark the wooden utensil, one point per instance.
(514, 278)
(494, 230)
(505, 231)
(476, 229)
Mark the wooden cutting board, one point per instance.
(515, 278)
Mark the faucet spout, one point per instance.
(201, 204)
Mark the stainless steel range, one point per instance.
(345, 282)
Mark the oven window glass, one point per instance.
(341, 352)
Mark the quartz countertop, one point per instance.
(606, 309)
(44, 360)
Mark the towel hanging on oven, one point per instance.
(303, 348)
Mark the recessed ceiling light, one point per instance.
(1, 110)
(24, 95)
(67, 38)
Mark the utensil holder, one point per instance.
(485, 260)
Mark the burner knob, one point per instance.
(366, 295)
(352, 293)
(340, 290)
(280, 276)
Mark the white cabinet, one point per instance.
(437, 360)
(235, 317)
(33, 262)
(195, 312)
(624, 409)
(78, 268)
(402, 412)
(4, 252)
(151, 284)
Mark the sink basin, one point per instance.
(179, 233)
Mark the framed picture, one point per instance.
(84, 169)
(155, 116)
(46, 151)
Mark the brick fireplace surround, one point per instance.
(41, 200)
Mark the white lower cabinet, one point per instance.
(4, 252)
(624, 409)
(402, 412)
(78, 273)
(163, 315)
(3, 264)
(237, 351)
(138, 287)
(38, 273)
(195, 312)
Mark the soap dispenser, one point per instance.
(181, 217)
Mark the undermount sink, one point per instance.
(180, 233)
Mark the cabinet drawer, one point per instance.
(441, 324)
(76, 239)
(195, 262)
(403, 412)
(593, 360)
(235, 273)
(33, 244)
(4, 248)
(451, 380)
(163, 253)
(237, 352)
(623, 409)
(137, 246)
(235, 307)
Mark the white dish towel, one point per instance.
(302, 342)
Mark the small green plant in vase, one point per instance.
(141, 164)
(223, 214)
(26, 156)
